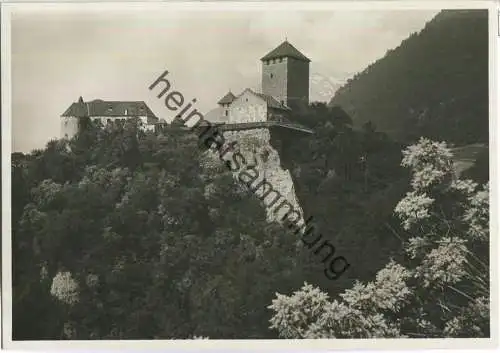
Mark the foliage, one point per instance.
(442, 289)
(120, 233)
(349, 181)
(154, 239)
(435, 83)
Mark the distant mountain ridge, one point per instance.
(323, 87)
(435, 83)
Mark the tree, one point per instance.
(165, 244)
(440, 290)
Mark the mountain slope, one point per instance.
(435, 83)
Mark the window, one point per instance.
(281, 60)
(272, 75)
(225, 113)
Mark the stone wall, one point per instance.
(247, 108)
(275, 76)
(69, 127)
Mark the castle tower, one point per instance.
(285, 75)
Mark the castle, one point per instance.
(262, 126)
(261, 123)
(285, 87)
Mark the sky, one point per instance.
(58, 56)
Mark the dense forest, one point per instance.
(124, 234)
(164, 243)
(434, 84)
(120, 233)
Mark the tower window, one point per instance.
(272, 75)
(225, 112)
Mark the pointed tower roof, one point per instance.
(285, 49)
(227, 99)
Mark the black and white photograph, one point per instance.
(235, 171)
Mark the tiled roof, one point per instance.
(99, 107)
(285, 49)
(272, 102)
(227, 99)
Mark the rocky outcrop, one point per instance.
(276, 184)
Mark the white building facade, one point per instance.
(106, 112)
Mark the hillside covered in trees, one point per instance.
(124, 234)
(119, 233)
(434, 84)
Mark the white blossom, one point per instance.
(65, 288)
(439, 260)
(388, 292)
(413, 208)
(477, 216)
(430, 161)
(466, 187)
(416, 246)
(294, 313)
(445, 264)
